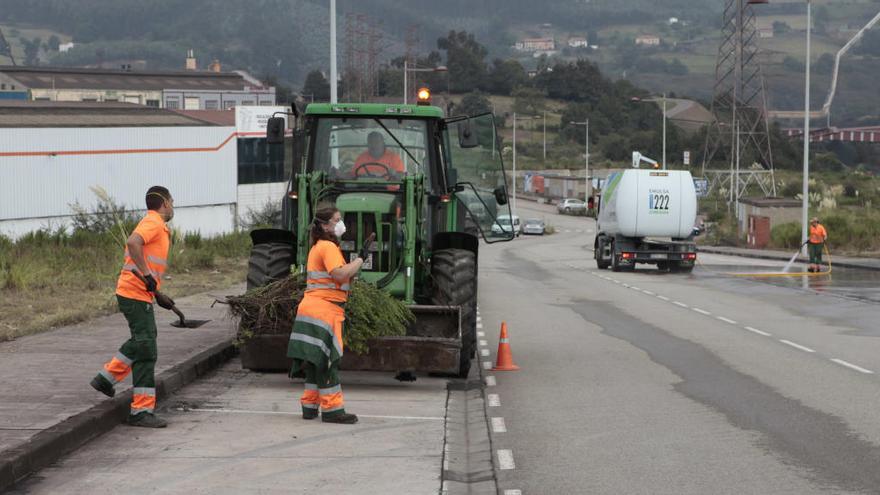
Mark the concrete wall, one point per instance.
(46, 170)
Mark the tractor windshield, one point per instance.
(366, 147)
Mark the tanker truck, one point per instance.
(647, 216)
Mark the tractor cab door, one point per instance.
(475, 171)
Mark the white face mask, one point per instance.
(339, 229)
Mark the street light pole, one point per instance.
(545, 140)
(805, 203)
(513, 204)
(664, 131)
(333, 98)
(405, 88)
(586, 124)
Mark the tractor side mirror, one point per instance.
(500, 195)
(275, 130)
(467, 137)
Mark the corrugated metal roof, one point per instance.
(89, 114)
(76, 78)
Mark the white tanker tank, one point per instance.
(647, 216)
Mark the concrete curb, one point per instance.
(55, 442)
(769, 256)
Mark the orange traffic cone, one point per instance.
(505, 358)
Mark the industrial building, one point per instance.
(53, 153)
(188, 90)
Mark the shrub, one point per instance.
(786, 236)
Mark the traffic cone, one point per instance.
(505, 357)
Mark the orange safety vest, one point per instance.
(817, 234)
(324, 257)
(389, 158)
(157, 241)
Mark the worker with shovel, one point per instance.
(145, 262)
(316, 339)
(817, 239)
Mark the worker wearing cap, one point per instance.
(378, 160)
(316, 339)
(146, 258)
(816, 244)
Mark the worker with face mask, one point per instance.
(316, 341)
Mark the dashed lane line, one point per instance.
(484, 352)
(484, 343)
(759, 332)
(490, 381)
(505, 459)
(494, 400)
(702, 311)
(487, 365)
(852, 366)
(663, 298)
(681, 304)
(726, 320)
(796, 346)
(498, 425)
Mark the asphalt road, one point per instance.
(651, 382)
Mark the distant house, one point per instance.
(765, 32)
(648, 40)
(536, 44)
(673, 20)
(578, 42)
(64, 47)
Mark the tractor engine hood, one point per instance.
(373, 202)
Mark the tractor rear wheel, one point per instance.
(455, 284)
(269, 262)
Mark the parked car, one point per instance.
(504, 222)
(533, 226)
(572, 206)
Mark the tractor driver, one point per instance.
(378, 160)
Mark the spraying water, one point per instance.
(791, 261)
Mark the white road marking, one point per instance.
(616, 281)
(683, 305)
(796, 346)
(484, 352)
(649, 293)
(852, 366)
(479, 325)
(726, 320)
(484, 343)
(487, 365)
(759, 332)
(479, 319)
(505, 459)
(498, 425)
(702, 311)
(494, 400)
(625, 285)
(292, 413)
(490, 381)
(512, 492)
(663, 298)
(481, 334)
(633, 287)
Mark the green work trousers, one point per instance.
(138, 354)
(815, 251)
(322, 390)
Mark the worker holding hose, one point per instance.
(816, 244)
(316, 341)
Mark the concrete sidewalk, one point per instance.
(48, 409)
(766, 254)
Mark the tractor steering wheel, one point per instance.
(366, 172)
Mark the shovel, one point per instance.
(182, 322)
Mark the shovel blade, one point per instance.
(188, 323)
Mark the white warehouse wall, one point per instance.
(45, 170)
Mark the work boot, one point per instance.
(343, 419)
(310, 414)
(147, 420)
(102, 386)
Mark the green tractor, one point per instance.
(429, 189)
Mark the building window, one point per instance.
(13, 87)
(191, 103)
(211, 105)
(228, 105)
(153, 103)
(247, 103)
(3, 86)
(89, 99)
(172, 104)
(266, 103)
(260, 162)
(111, 100)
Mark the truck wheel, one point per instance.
(601, 262)
(676, 267)
(269, 262)
(455, 284)
(568, 211)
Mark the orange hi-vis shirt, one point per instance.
(817, 234)
(157, 241)
(390, 159)
(324, 257)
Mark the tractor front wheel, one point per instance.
(455, 284)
